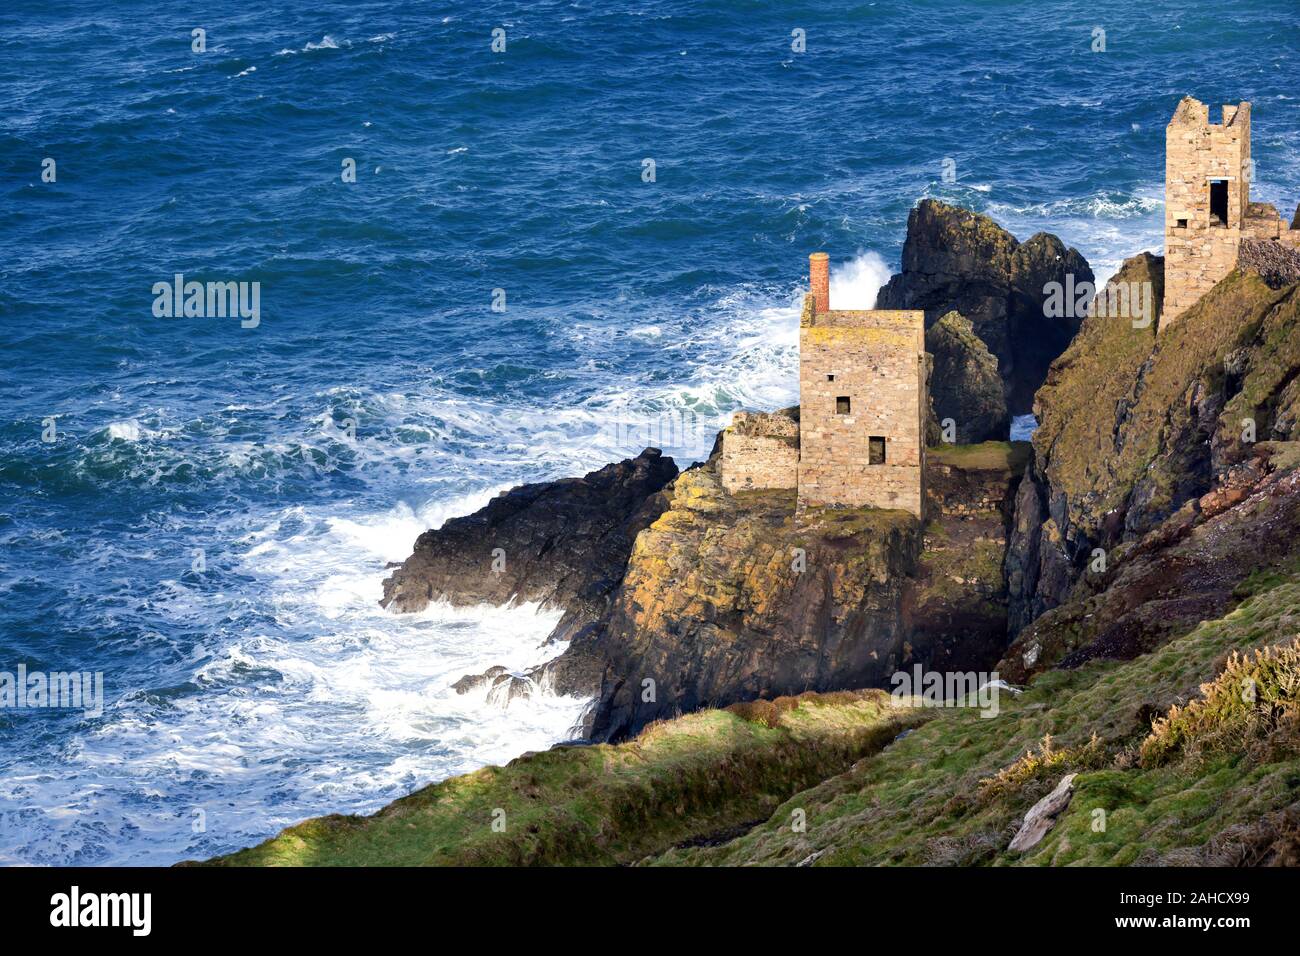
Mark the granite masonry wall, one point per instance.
(761, 450)
(862, 377)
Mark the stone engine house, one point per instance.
(1209, 218)
(859, 437)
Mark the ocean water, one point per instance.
(210, 523)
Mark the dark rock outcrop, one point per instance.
(498, 686)
(1065, 506)
(957, 260)
(1189, 569)
(955, 604)
(560, 543)
(964, 382)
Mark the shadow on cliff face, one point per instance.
(732, 598)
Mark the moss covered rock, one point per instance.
(728, 598)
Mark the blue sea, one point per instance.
(553, 254)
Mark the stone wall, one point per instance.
(969, 480)
(876, 360)
(1276, 261)
(761, 450)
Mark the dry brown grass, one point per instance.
(1253, 707)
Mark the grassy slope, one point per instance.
(934, 796)
(951, 792)
(989, 455)
(680, 780)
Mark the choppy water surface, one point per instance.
(210, 526)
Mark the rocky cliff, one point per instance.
(1154, 489)
(955, 603)
(559, 543)
(730, 598)
(1145, 561)
(679, 595)
(725, 598)
(1185, 776)
(957, 260)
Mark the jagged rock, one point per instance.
(710, 605)
(1086, 395)
(714, 610)
(1042, 815)
(957, 260)
(1185, 571)
(498, 686)
(506, 688)
(478, 682)
(560, 543)
(1134, 426)
(964, 382)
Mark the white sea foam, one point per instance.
(339, 706)
(126, 431)
(855, 284)
(1107, 227)
(306, 697)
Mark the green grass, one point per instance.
(955, 790)
(985, 456)
(1173, 767)
(679, 780)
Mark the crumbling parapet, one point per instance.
(760, 450)
(1208, 210)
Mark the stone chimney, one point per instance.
(819, 281)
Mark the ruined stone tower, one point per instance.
(862, 402)
(1208, 212)
(1207, 191)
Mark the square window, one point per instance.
(830, 378)
(876, 450)
(842, 405)
(1182, 223)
